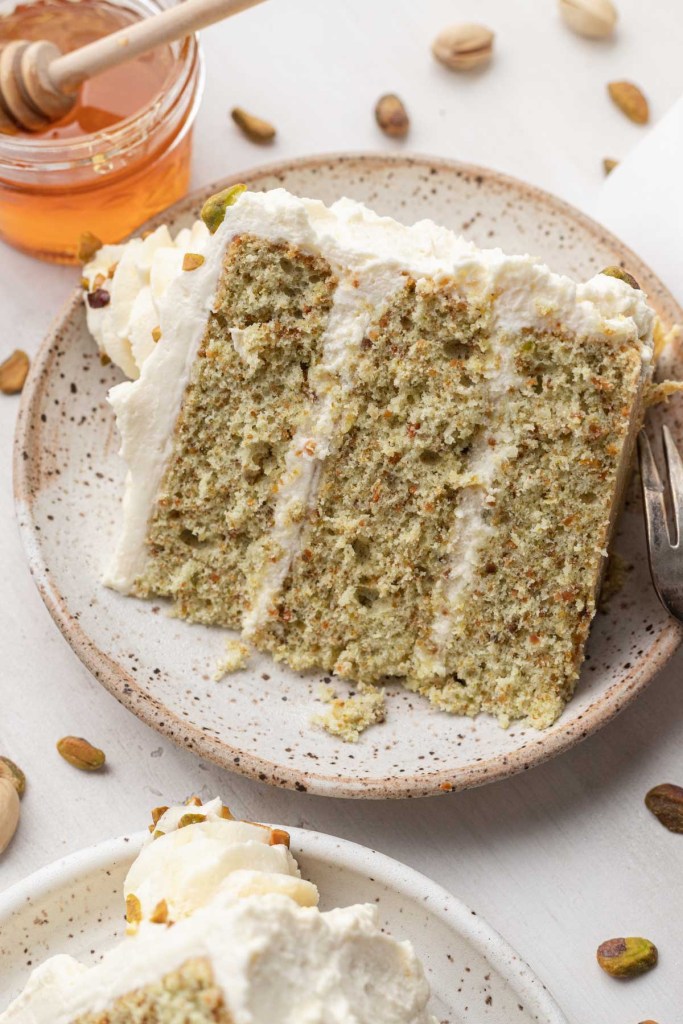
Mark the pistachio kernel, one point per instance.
(81, 754)
(156, 334)
(191, 819)
(213, 210)
(13, 773)
(160, 913)
(621, 275)
(255, 128)
(666, 803)
(278, 837)
(392, 116)
(630, 100)
(608, 165)
(133, 911)
(158, 812)
(13, 372)
(88, 245)
(625, 958)
(192, 260)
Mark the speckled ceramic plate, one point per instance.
(74, 906)
(68, 486)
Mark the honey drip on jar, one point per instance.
(44, 214)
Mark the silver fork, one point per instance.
(666, 557)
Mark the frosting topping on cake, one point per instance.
(270, 952)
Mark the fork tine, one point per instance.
(653, 497)
(675, 467)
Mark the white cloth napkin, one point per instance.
(641, 201)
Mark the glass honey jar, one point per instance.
(120, 156)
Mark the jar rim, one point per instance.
(27, 151)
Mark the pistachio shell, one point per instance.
(625, 958)
(9, 812)
(464, 47)
(13, 773)
(595, 19)
(213, 210)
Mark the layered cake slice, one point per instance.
(377, 450)
(223, 929)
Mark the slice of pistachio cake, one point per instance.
(375, 449)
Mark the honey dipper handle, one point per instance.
(68, 72)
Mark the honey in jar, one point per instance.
(121, 154)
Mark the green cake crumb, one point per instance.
(236, 657)
(349, 717)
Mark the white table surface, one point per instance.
(557, 859)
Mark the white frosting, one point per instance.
(142, 271)
(274, 961)
(239, 902)
(188, 867)
(369, 254)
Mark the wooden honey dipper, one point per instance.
(39, 84)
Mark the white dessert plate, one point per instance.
(69, 479)
(75, 906)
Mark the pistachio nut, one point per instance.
(9, 812)
(133, 912)
(191, 819)
(213, 210)
(625, 958)
(392, 116)
(608, 165)
(630, 100)
(191, 261)
(621, 275)
(81, 754)
(278, 837)
(464, 47)
(595, 19)
(88, 245)
(160, 913)
(255, 128)
(666, 803)
(13, 773)
(13, 372)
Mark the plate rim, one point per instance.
(344, 854)
(124, 687)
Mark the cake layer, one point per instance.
(246, 397)
(382, 452)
